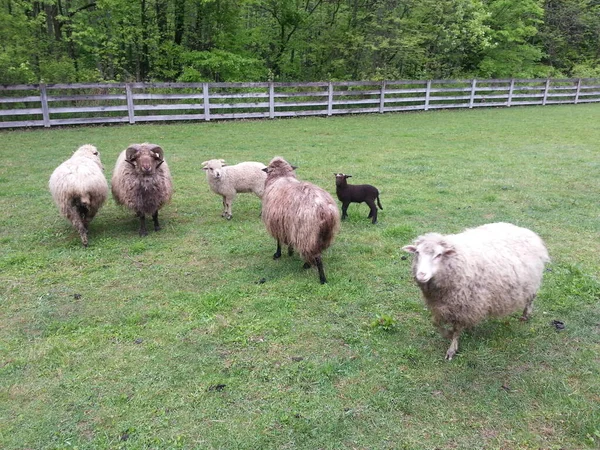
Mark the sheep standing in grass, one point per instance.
(488, 271)
(356, 193)
(298, 214)
(142, 182)
(79, 188)
(228, 181)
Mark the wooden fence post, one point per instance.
(546, 91)
(130, 107)
(45, 109)
(427, 93)
(577, 91)
(206, 101)
(330, 99)
(271, 100)
(510, 92)
(382, 98)
(473, 87)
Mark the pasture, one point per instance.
(194, 337)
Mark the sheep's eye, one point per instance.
(96, 153)
(437, 256)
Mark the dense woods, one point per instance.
(296, 40)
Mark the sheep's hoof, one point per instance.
(143, 233)
(306, 266)
(450, 354)
(374, 222)
(277, 255)
(228, 216)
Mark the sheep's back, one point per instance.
(76, 178)
(300, 214)
(247, 177)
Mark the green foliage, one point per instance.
(253, 40)
(219, 65)
(384, 322)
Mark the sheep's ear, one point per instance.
(448, 250)
(410, 248)
(347, 176)
(266, 169)
(294, 167)
(131, 152)
(222, 161)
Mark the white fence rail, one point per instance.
(69, 104)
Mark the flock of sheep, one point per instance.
(489, 271)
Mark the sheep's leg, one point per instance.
(224, 213)
(319, 264)
(528, 309)
(456, 330)
(290, 250)
(155, 220)
(373, 213)
(277, 254)
(75, 218)
(143, 231)
(345, 210)
(228, 203)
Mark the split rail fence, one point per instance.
(70, 104)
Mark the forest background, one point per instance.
(296, 40)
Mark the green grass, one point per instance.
(171, 341)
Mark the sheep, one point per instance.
(488, 271)
(79, 188)
(228, 181)
(357, 193)
(298, 214)
(142, 182)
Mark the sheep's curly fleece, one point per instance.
(298, 213)
(144, 195)
(79, 188)
(489, 271)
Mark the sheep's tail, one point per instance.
(379, 203)
(83, 204)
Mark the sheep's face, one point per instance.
(429, 253)
(340, 179)
(146, 158)
(214, 168)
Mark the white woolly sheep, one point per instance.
(79, 188)
(228, 181)
(298, 214)
(489, 271)
(142, 182)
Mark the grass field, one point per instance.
(171, 341)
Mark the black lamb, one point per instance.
(358, 193)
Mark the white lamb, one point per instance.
(489, 271)
(228, 181)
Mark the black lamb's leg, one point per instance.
(373, 213)
(319, 264)
(155, 220)
(277, 254)
(344, 210)
(143, 231)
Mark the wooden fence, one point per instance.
(69, 104)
